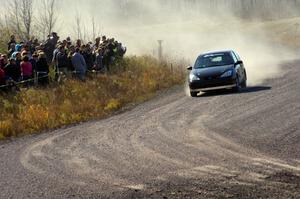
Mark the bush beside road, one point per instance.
(34, 110)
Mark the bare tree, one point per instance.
(93, 27)
(21, 15)
(4, 31)
(14, 18)
(96, 29)
(78, 25)
(48, 17)
(26, 16)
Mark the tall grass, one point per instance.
(133, 80)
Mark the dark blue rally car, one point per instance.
(217, 70)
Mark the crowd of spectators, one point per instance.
(29, 61)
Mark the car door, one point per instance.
(240, 67)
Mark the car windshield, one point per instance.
(213, 60)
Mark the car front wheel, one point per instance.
(244, 84)
(194, 94)
(238, 86)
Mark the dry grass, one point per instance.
(35, 110)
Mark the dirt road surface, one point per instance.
(218, 145)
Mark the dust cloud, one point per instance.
(187, 33)
(187, 30)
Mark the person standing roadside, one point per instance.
(18, 59)
(50, 45)
(12, 42)
(26, 68)
(79, 64)
(42, 70)
(2, 77)
(3, 61)
(78, 43)
(12, 70)
(61, 61)
(98, 65)
(69, 56)
(88, 57)
(11, 50)
(97, 44)
(33, 61)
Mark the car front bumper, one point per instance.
(215, 84)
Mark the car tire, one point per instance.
(238, 86)
(244, 84)
(194, 94)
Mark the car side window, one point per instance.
(237, 56)
(234, 57)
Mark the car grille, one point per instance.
(211, 77)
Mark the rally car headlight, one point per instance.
(227, 74)
(193, 77)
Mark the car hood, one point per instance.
(212, 71)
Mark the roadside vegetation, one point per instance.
(134, 80)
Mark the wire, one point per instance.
(42, 77)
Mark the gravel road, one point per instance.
(218, 145)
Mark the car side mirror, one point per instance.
(238, 63)
(189, 68)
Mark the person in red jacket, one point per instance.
(2, 77)
(26, 68)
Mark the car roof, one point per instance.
(216, 52)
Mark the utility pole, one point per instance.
(160, 50)
(296, 30)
